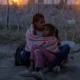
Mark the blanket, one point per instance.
(50, 43)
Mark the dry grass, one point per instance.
(12, 36)
(18, 37)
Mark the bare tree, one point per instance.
(61, 2)
(31, 2)
(41, 1)
(66, 1)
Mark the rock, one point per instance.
(76, 48)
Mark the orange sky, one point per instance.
(21, 2)
(17, 2)
(77, 1)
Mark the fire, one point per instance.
(78, 2)
(17, 2)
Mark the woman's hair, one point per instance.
(37, 17)
(51, 28)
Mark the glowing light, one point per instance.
(16, 2)
(78, 2)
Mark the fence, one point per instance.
(66, 19)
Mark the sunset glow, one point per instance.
(17, 2)
(78, 2)
(23, 2)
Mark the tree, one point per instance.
(41, 1)
(31, 1)
(66, 2)
(62, 3)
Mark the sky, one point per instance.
(5, 1)
(45, 1)
(56, 1)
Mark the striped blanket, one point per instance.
(50, 43)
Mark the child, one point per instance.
(49, 53)
(50, 30)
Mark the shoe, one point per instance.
(63, 65)
(26, 73)
(38, 75)
(46, 70)
(56, 69)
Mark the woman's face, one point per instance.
(40, 24)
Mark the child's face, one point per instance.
(46, 31)
(40, 24)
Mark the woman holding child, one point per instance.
(44, 46)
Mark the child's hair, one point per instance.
(37, 17)
(51, 28)
(57, 33)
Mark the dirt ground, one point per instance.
(8, 71)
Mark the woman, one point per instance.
(38, 26)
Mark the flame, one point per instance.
(17, 2)
(78, 2)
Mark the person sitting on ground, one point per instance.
(33, 36)
(48, 50)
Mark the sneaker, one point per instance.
(56, 69)
(64, 65)
(46, 70)
(26, 73)
(38, 75)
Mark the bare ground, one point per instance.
(8, 71)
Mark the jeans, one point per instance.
(64, 51)
(25, 55)
(25, 58)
